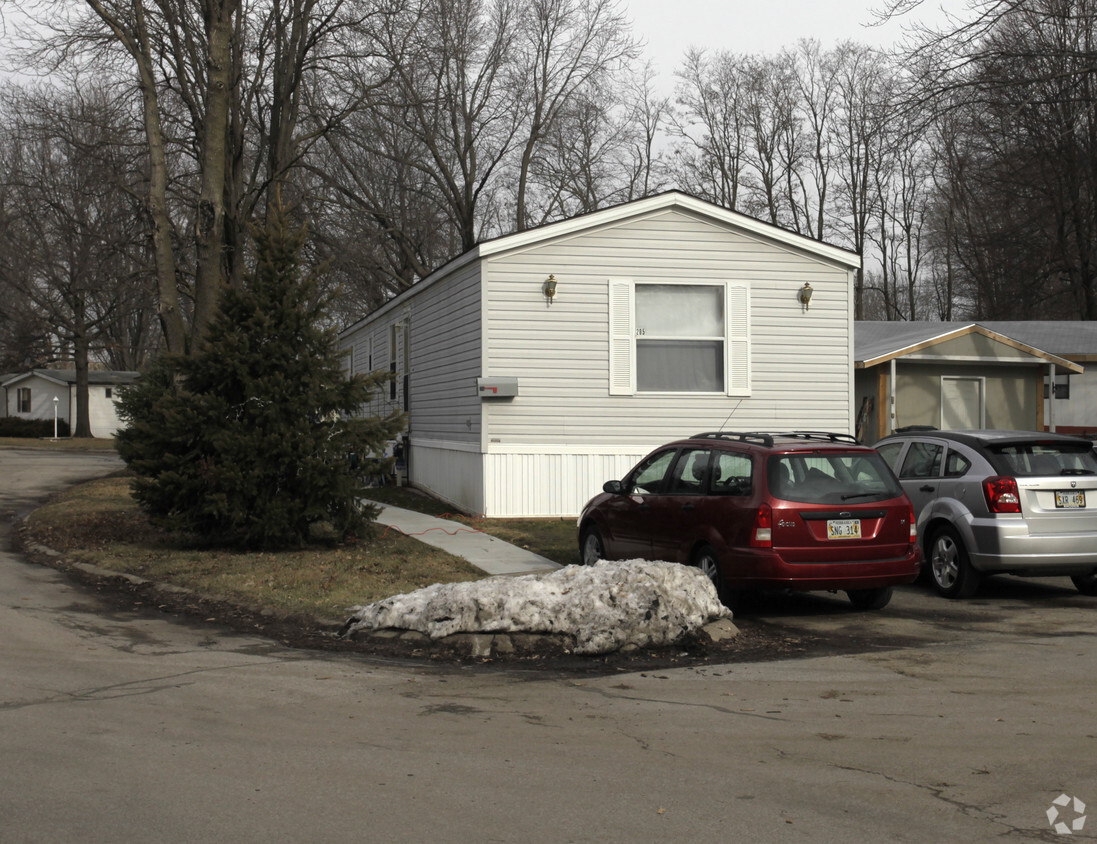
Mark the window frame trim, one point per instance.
(623, 339)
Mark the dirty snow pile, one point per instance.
(605, 606)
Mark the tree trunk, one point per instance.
(134, 37)
(210, 218)
(83, 416)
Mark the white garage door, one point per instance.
(962, 404)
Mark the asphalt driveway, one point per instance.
(949, 722)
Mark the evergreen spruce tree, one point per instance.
(249, 443)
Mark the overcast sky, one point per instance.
(670, 27)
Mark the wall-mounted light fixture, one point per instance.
(805, 295)
(549, 287)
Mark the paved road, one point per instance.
(126, 727)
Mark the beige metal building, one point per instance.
(951, 375)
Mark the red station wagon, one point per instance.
(800, 510)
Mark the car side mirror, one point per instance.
(613, 487)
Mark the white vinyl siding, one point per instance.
(577, 419)
(452, 471)
(446, 359)
(788, 369)
(435, 340)
(538, 485)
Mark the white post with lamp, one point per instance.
(55, 401)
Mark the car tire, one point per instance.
(1086, 583)
(591, 546)
(870, 599)
(706, 559)
(950, 568)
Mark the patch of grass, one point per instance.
(69, 444)
(410, 499)
(99, 523)
(551, 538)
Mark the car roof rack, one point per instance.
(738, 436)
(766, 437)
(821, 435)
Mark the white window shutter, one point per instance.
(738, 340)
(622, 348)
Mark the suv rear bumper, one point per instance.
(764, 568)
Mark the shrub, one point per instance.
(247, 442)
(17, 426)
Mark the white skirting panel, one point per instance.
(536, 485)
(454, 474)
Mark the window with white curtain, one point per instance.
(679, 338)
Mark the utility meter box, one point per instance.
(497, 388)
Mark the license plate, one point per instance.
(1071, 500)
(843, 528)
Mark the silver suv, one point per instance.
(986, 502)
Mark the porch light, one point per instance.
(805, 295)
(549, 287)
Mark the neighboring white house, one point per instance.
(30, 395)
(539, 365)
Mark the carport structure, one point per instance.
(946, 375)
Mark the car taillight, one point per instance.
(1002, 494)
(761, 535)
(913, 527)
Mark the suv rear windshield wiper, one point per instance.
(1077, 472)
(858, 495)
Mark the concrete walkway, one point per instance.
(482, 550)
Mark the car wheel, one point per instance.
(706, 560)
(591, 547)
(870, 599)
(949, 566)
(1086, 583)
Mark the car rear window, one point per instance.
(1034, 459)
(834, 478)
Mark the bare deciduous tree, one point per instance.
(1016, 82)
(858, 137)
(73, 252)
(564, 48)
(713, 135)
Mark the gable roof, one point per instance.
(878, 342)
(1067, 338)
(673, 199)
(98, 377)
(660, 202)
